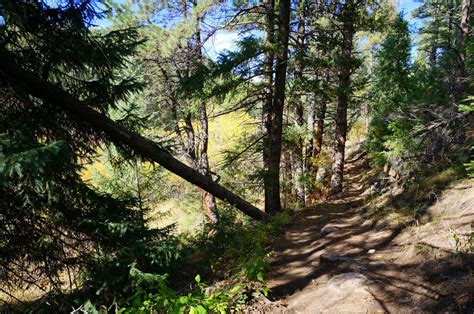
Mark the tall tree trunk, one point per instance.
(449, 48)
(309, 148)
(272, 176)
(288, 162)
(36, 87)
(464, 26)
(318, 133)
(190, 144)
(208, 200)
(348, 19)
(433, 52)
(319, 127)
(268, 74)
(297, 153)
(317, 146)
(287, 179)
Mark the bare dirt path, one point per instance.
(333, 258)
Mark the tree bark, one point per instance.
(288, 168)
(30, 83)
(209, 201)
(268, 102)
(272, 175)
(190, 144)
(464, 26)
(309, 148)
(317, 146)
(297, 153)
(319, 127)
(348, 19)
(319, 132)
(189, 147)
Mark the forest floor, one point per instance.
(337, 256)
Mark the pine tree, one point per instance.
(391, 95)
(52, 222)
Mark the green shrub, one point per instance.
(234, 255)
(152, 293)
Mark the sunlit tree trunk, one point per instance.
(309, 148)
(272, 175)
(209, 201)
(345, 66)
(298, 107)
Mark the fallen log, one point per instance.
(30, 83)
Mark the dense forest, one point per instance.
(153, 153)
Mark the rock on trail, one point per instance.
(343, 293)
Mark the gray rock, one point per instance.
(377, 263)
(329, 258)
(349, 281)
(357, 268)
(328, 229)
(374, 188)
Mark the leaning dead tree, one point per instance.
(28, 82)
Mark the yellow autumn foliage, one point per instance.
(224, 134)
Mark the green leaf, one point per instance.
(183, 300)
(200, 309)
(235, 289)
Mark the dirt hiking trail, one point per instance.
(335, 258)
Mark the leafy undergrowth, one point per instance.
(232, 258)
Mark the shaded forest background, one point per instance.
(132, 164)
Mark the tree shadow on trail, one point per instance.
(439, 285)
(417, 285)
(312, 259)
(399, 279)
